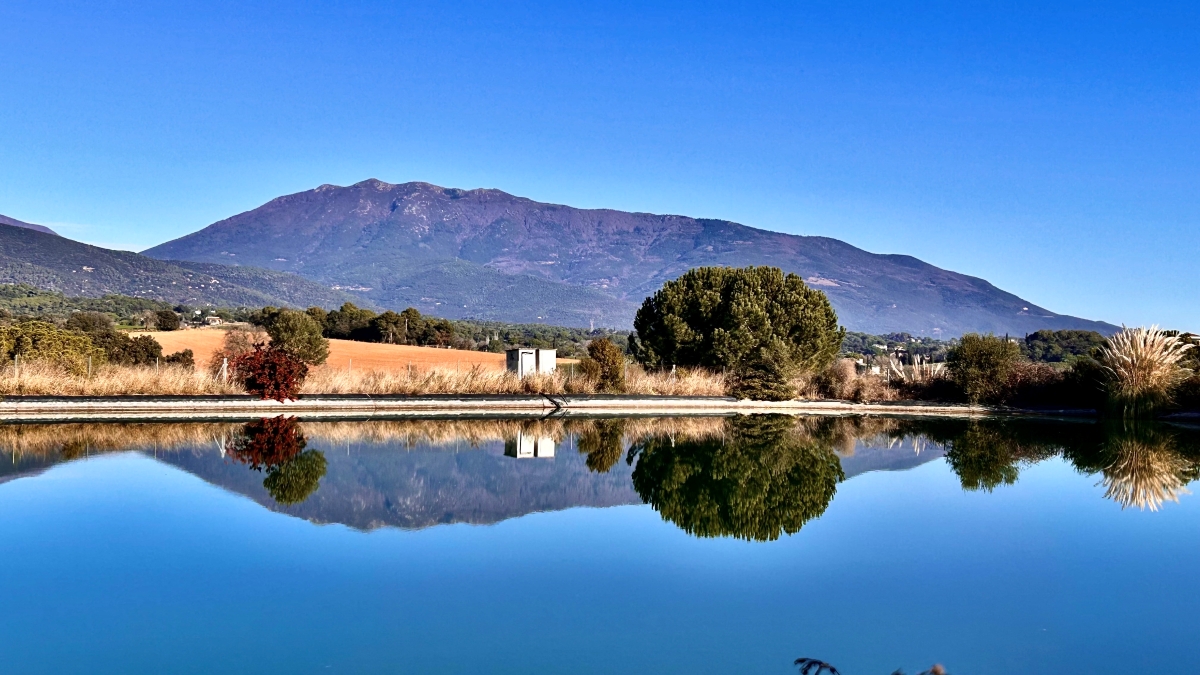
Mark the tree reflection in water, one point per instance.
(1142, 465)
(276, 445)
(603, 441)
(767, 476)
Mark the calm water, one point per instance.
(599, 546)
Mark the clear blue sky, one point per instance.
(1053, 151)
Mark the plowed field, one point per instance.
(342, 353)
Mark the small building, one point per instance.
(212, 320)
(528, 446)
(526, 361)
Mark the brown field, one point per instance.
(343, 354)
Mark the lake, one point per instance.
(634, 545)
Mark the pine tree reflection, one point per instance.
(768, 476)
(603, 441)
(276, 445)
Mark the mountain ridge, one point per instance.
(48, 261)
(5, 220)
(376, 236)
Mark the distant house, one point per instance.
(213, 320)
(526, 361)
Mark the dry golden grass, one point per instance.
(482, 380)
(43, 379)
(42, 439)
(77, 439)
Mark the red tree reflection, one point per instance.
(267, 443)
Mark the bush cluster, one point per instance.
(45, 342)
(605, 364)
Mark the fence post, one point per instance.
(225, 370)
(89, 367)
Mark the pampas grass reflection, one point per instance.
(1146, 473)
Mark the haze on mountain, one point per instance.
(34, 255)
(488, 254)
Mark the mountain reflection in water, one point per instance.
(752, 477)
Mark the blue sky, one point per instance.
(1054, 151)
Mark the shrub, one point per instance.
(139, 351)
(1085, 385)
(722, 317)
(184, 359)
(1142, 365)
(1034, 384)
(297, 334)
(610, 365)
(90, 322)
(980, 366)
(41, 341)
(236, 343)
(166, 319)
(839, 380)
(270, 372)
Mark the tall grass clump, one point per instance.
(1142, 365)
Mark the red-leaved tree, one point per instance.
(270, 373)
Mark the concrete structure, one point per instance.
(526, 361)
(526, 446)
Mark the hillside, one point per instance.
(489, 254)
(48, 261)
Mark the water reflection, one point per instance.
(276, 445)
(752, 477)
(767, 476)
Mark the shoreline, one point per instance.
(367, 406)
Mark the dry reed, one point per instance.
(480, 380)
(43, 439)
(45, 379)
(1143, 364)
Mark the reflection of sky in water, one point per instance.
(122, 563)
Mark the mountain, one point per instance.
(5, 220)
(45, 260)
(488, 254)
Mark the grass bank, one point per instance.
(43, 379)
